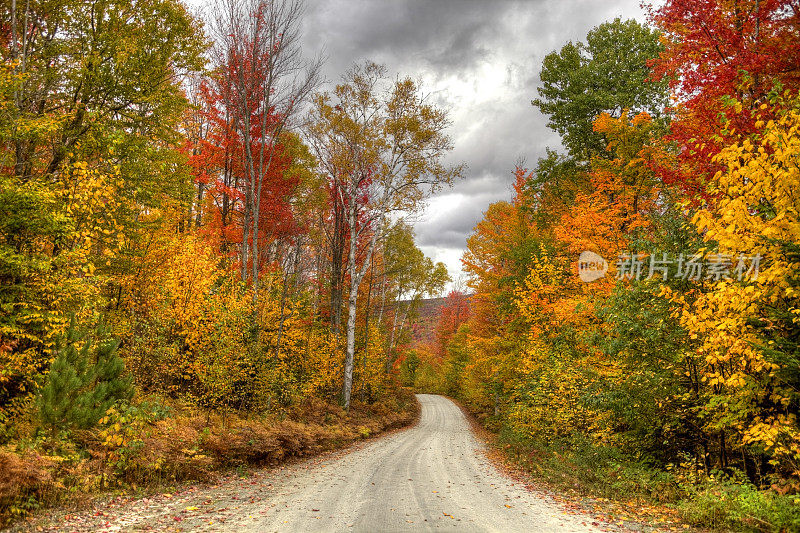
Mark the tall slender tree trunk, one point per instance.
(383, 293)
(198, 216)
(351, 347)
(248, 212)
(356, 275)
(254, 253)
(352, 300)
(284, 295)
(337, 273)
(366, 327)
(263, 168)
(318, 276)
(245, 246)
(14, 29)
(388, 363)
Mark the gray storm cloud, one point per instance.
(480, 60)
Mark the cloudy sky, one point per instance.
(478, 59)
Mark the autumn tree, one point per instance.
(623, 192)
(91, 101)
(716, 50)
(609, 73)
(745, 324)
(101, 79)
(382, 150)
(261, 81)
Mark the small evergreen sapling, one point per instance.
(83, 382)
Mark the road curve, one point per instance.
(434, 476)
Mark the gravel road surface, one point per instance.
(434, 476)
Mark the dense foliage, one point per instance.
(675, 374)
(158, 187)
(191, 232)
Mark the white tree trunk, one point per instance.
(352, 301)
(351, 345)
(356, 275)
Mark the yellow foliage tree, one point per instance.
(744, 323)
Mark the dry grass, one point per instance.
(25, 480)
(190, 446)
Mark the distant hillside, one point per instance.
(423, 326)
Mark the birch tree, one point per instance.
(382, 147)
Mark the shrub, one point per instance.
(720, 502)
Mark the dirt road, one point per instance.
(434, 476)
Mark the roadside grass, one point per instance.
(739, 506)
(142, 449)
(635, 489)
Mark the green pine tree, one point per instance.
(83, 382)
